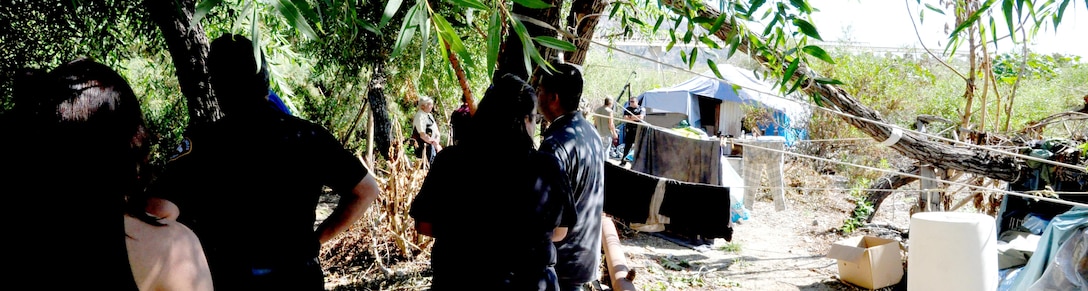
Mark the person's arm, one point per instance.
(162, 208)
(559, 233)
(351, 207)
(166, 257)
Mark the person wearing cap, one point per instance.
(578, 146)
(248, 184)
(425, 131)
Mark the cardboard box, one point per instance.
(868, 261)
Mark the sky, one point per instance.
(887, 23)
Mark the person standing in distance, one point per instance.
(580, 150)
(634, 114)
(248, 184)
(606, 125)
(426, 130)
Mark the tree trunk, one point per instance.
(883, 187)
(979, 162)
(512, 57)
(583, 16)
(383, 128)
(189, 50)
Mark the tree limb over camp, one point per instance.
(828, 95)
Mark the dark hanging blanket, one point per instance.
(694, 209)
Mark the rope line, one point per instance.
(999, 191)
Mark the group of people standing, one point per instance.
(234, 208)
(547, 233)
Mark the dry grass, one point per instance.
(383, 251)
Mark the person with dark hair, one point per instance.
(459, 122)
(633, 114)
(529, 185)
(90, 150)
(249, 183)
(580, 150)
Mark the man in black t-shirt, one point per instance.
(248, 184)
(634, 114)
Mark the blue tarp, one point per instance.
(790, 113)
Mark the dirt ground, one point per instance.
(773, 250)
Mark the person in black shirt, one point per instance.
(248, 184)
(580, 150)
(479, 246)
(634, 114)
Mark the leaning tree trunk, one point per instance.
(189, 50)
(583, 17)
(882, 188)
(383, 128)
(979, 162)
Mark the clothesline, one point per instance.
(999, 191)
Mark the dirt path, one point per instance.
(771, 251)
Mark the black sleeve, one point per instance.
(428, 203)
(343, 170)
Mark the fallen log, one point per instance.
(615, 259)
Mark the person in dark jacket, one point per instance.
(578, 146)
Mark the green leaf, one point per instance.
(390, 10)
(694, 56)
(534, 4)
(307, 11)
(807, 28)
(526, 43)
(1061, 10)
(789, 71)
(734, 42)
(294, 17)
(687, 36)
(203, 9)
(1006, 9)
(701, 19)
(829, 81)
(407, 31)
(993, 33)
(494, 41)
(754, 5)
(717, 25)
(255, 36)
(714, 68)
(555, 43)
(422, 21)
(367, 26)
(709, 42)
(636, 21)
(450, 35)
(796, 84)
(657, 24)
(973, 17)
(668, 47)
(471, 4)
(770, 26)
(736, 88)
(935, 9)
(819, 53)
(801, 5)
(684, 56)
(615, 8)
